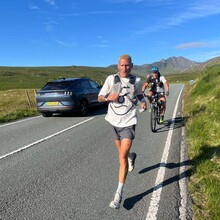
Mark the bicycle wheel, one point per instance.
(158, 114)
(153, 119)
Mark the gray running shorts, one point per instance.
(126, 132)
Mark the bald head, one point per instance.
(125, 65)
(125, 57)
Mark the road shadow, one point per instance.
(93, 111)
(177, 122)
(166, 165)
(207, 153)
(130, 202)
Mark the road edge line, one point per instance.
(155, 198)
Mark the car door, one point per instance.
(95, 89)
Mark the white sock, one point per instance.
(120, 188)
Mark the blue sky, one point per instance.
(97, 32)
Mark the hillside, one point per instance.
(36, 77)
(172, 65)
(210, 62)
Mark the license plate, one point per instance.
(52, 103)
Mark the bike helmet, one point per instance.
(155, 69)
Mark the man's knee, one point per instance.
(149, 94)
(162, 103)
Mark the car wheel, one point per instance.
(83, 107)
(47, 114)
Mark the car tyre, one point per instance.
(83, 107)
(47, 114)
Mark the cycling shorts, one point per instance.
(160, 94)
(126, 132)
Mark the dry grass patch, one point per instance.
(16, 104)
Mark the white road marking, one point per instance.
(15, 122)
(183, 181)
(155, 199)
(43, 139)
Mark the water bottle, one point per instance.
(116, 88)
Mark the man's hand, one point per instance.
(167, 93)
(113, 97)
(144, 106)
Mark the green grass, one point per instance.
(183, 77)
(36, 77)
(202, 108)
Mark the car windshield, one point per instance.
(57, 85)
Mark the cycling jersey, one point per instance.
(155, 84)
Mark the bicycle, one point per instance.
(155, 112)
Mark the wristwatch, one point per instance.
(143, 100)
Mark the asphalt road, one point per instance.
(66, 167)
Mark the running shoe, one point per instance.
(131, 161)
(115, 204)
(161, 120)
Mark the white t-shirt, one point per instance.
(123, 112)
(161, 89)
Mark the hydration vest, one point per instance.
(127, 97)
(132, 79)
(154, 82)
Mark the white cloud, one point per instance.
(50, 25)
(200, 9)
(102, 43)
(193, 45)
(88, 13)
(32, 6)
(200, 44)
(64, 44)
(35, 41)
(50, 2)
(139, 1)
(101, 12)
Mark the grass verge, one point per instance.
(17, 104)
(202, 104)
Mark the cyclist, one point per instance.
(158, 83)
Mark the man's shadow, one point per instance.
(130, 202)
(206, 153)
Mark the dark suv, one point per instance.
(67, 95)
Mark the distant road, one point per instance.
(67, 168)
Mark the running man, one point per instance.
(123, 90)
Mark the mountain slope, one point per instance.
(175, 64)
(166, 66)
